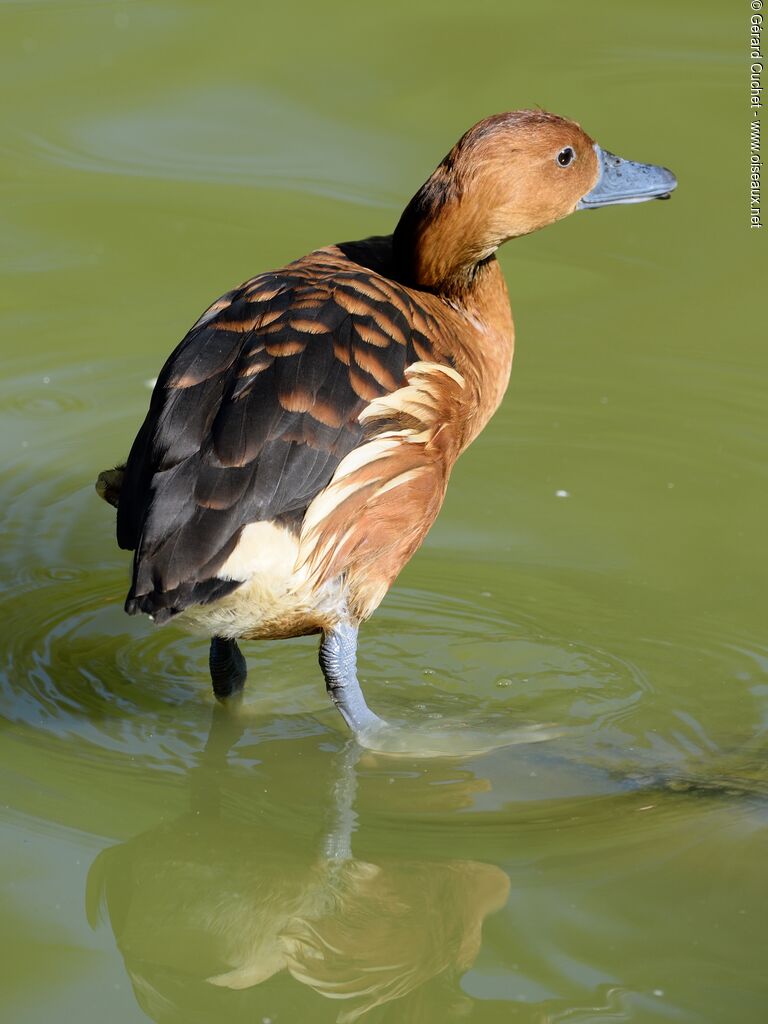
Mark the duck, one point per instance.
(300, 438)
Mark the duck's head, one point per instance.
(509, 175)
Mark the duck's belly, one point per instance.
(275, 599)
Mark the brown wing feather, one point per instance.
(251, 416)
(386, 494)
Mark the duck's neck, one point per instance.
(439, 243)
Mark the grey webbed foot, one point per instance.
(228, 668)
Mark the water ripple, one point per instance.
(485, 663)
(188, 136)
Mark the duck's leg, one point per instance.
(338, 660)
(228, 668)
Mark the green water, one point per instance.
(155, 154)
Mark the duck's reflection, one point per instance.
(205, 905)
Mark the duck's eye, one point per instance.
(565, 156)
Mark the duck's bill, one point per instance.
(624, 181)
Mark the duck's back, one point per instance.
(254, 411)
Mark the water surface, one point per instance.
(587, 613)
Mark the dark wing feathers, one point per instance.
(250, 417)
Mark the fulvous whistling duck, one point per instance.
(300, 438)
